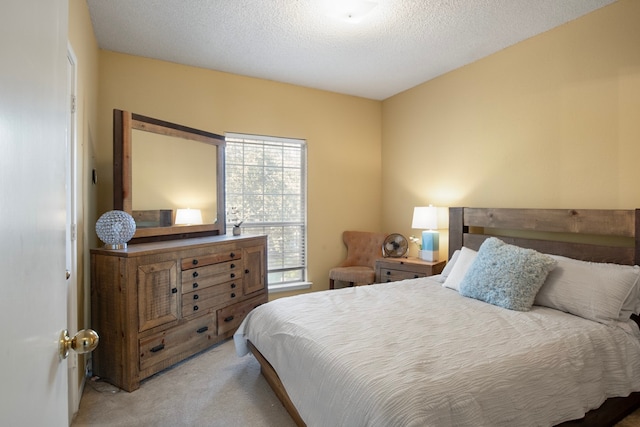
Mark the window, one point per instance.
(266, 189)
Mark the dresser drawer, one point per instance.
(199, 301)
(227, 253)
(393, 269)
(388, 275)
(170, 343)
(229, 318)
(211, 275)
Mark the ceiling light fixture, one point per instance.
(352, 11)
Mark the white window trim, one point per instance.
(286, 287)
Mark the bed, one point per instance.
(431, 352)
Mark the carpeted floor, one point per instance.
(632, 420)
(214, 388)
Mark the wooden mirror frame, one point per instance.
(124, 123)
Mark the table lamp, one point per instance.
(115, 228)
(426, 218)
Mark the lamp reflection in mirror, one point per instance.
(426, 218)
(188, 216)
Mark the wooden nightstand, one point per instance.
(392, 269)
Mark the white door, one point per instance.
(33, 303)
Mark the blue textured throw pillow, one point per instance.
(506, 275)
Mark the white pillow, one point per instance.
(447, 268)
(597, 291)
(460, 267)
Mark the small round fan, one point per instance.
(395, 246)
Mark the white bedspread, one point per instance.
(413, 353)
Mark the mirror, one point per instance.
(160, 168)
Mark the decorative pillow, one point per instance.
(595, 291)
(460, 267)
(506, 275)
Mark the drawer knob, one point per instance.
(174, 290)
(196, 308)
(232, 255)
(233, 266)
(388, 273)
(195, 274)
(203, 329)
(157, 348)
(246, 271)
(196, 296)
(415, 276)
(233, 295)
(228, 319)
(195, 285)
(194, 262)
(233, 286)
(232, 275)
(388, 280)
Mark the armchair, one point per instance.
(363, 248)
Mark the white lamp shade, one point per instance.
(425, 217)
(188, 217)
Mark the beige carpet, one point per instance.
(632, 420)
(214, 388)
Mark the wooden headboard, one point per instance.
(614, 235)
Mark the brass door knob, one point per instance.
(84, 341)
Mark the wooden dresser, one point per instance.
(155, 304)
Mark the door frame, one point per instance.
(71, 239)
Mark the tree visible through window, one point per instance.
(266, 189)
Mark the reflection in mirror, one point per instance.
(160, 167)
(169, 173)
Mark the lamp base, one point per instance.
(428, 255)
(430, 245)
(116, 246)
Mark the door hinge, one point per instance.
(73, 104)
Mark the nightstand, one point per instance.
(392, 269)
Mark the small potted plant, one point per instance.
(236, 220)
(418, 243)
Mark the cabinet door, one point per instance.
(254, 269)
(157, 293)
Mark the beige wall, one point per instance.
(551, 122)
(342, 133)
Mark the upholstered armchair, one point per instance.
(363, 248)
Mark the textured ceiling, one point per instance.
(398, 45)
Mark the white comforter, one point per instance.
(413, 353)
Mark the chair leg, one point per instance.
(331, 284)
